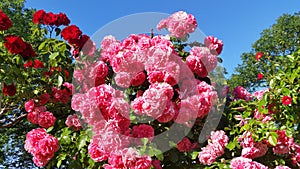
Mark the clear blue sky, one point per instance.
(237, 22)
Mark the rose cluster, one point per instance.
(41, 145)
(16, 45)
(49, 18)
(252, 149)
(39, 115)
(179, 24)
(156, 84)
(215, 148)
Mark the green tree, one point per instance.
(12, 135)
(281, 39)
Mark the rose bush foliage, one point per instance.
(142, 78)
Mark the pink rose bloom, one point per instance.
(138, 79)
(283, 143)
(33, 116)
(185, 145)
(143, 131)
(215, 148)
(29, 106)
(245, 163)
(214, 44)
(41, 145)
(208, 59)
(241, 93)
(179, 24)
(207, 156)
(96, 153)
(73, 122)
(46, 119)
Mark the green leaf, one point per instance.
(231, 145)
(82, 141)
(53, 55)
(50, 129)
(194, 155)
(272, 140)
(59, 81)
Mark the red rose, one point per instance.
(71, 34)
(38, 64)
(28, 64)
(50, 19)
(28, 51)
(258, 55)
(138, 79)
(14, 44)
(185, 145)
(9, 90)
(38, 17)
(44, 98)
(62, 20)
(5, 22)
(286, 100)
(260, 76)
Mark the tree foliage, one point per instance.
(281, 39)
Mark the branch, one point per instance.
(17, 120)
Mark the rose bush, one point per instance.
(128, 92)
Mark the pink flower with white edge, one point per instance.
(245, 163)
(215, 148)
(73, 122)
(29, 106)
(214, 44)
(179, 24)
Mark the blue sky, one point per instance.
(237, 22)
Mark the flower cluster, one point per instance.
(214, 44)
(41, 145)
(80, 42)
(128, 158)
(284, 143)
(156, 85)
(245, 163)
(215, 148)
(73, 122)
(5, 22)
(252, 149)
(49, 18)
(16, 45)
(35, 64)
(201, 61)
(179, 24)
(241, 93)
(39, 115)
